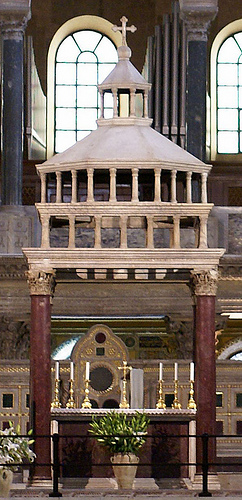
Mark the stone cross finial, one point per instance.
(124, 29)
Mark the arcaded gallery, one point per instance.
(121, 236)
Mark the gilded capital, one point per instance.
(41, 282)
(204, 282)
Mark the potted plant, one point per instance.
(13, 450)
(123, 435)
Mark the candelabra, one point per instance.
(71, 402)
(86, 403)
(124, 402)
(56, 402)
(191, 403)
(176, 404)
(161, 403)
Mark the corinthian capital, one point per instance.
(198, 16)
(41, 282)
(14, 15)
(204, 282)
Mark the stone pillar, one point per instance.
(157, 184)
(14, 15)
(135, 184)
(73, 186)
(41, 285)
(112, 196)
(197, 16)
(90, 187)
(204, 287)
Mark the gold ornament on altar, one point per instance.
(176, 405)
(124, 403)
(191, 403)
(56, 402)
(161, 403)
(86, 402)
(71, 402)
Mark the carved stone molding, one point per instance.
(14, 16)
(41, 282)
(12, 267)
(198, 17)
(204, 282)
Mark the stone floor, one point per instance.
(151, 490)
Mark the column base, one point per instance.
(41, 483)
(197, 483)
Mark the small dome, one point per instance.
(124, 75)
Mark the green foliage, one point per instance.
(119, 432)
(13, 448)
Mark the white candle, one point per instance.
(72, 370)
(161, 370)
(87, 370)
(57, 370)
(192, 372)
(176, 371)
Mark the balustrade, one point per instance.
(171, 183)
(199, 230)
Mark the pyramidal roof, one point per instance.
(125, 138)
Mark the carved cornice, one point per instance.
(198, 17)
(41, 282)
(204, 282)
(12, 268)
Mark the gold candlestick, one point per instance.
(161, 403)
(56, 402)
(86, 403)
(191, 403)
(71, 402)
(176, 404)
(124, 403)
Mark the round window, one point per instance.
(101, 378)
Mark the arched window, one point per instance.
(81, 55)
(226, 92)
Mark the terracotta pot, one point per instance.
(125, 475)
(6, 478)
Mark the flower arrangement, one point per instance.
(13, 448)
(119, 432)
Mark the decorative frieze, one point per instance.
(204, 282)
(41, 282)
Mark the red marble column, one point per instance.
(41, 286)
(204, 286)
(205, 386)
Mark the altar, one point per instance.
(169, 444)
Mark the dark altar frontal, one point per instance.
(167, 447)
